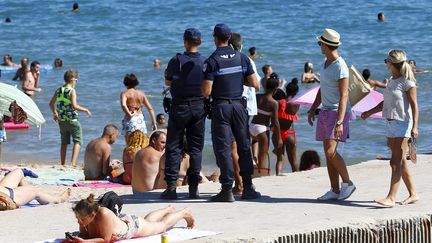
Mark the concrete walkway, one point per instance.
(288, 207)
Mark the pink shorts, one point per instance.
(326, 124)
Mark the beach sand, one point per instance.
(288, 206)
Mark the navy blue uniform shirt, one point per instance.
(227, 69)
(185, 71)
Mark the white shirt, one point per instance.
(250, 93)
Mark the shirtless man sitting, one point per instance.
(146, 163)
(131, 101)
(30, 82)
(97, 154)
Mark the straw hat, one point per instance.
(330, 37)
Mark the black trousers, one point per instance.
(185, 118)
(231, 119)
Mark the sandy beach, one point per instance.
(288, 206)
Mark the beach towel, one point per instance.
(77, 183)
(56, 182)
(98, 184)
(174, 235)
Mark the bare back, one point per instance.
(145, 169)
(96, 158)
(133, 99)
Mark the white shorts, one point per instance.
(399, 129)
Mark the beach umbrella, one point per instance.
(9, 93)
(368, 102)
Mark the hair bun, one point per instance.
(90, 198)
(294, 81)
(274, 75)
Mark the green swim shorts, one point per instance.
(68, 129)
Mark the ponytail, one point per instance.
(399, 60)
(407, 72)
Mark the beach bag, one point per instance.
(112, 201)
(358, 87)
(18, 114)
(6, 203)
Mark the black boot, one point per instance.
(169, 193)
(193, 192)
(250, 193)
(225, 195)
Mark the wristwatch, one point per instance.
(338, 123)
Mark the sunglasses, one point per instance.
(319, 43)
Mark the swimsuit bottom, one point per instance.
(11, 193)
(132, 222)
(286, 133)
(256, 129)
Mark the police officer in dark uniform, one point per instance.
(186, 116)
(225, 73)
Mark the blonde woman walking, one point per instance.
(400, 108)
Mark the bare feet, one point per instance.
(170, 208)
(386, 202)
(65, 195)
(258, 172)
(410, 200)
(187, 212)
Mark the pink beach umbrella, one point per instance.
(368, 102)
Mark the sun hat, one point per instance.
(330, 37)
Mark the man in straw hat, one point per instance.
(332, 125)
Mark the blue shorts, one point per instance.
(399, 129)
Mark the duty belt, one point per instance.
(188, 101)
(229, 101)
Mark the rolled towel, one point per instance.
(29, 173)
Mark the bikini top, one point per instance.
(265, 113)
(283, 115)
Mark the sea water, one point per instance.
(107, 39)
